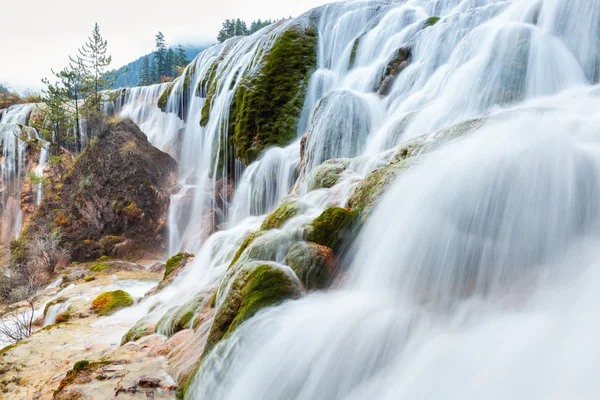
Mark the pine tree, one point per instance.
(145, 79)
(181, 57)
(55, 114)
(170, 63)
(94, 61)
(227, 31)
(160, 57)
(258, 25)
(240, 28)
(72, 79)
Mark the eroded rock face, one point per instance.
(115, 198)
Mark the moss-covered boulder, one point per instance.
(312, 263)
(113, 201)
(369, 190)
(397, 63)
(268, 102)
(110, 302)
(327, 174)
(176, 262)
(245, 244)
(140, 329)
(333, 227)
(282, 214)
(253, 289)
(179, 318)
(431, 21)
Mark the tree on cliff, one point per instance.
(94, 61)
(145, 73)
(160, 58)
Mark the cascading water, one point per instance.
(475, 275)
(13, 142)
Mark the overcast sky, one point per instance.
(37, 35)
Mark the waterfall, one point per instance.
(475, 275)
(13, 143)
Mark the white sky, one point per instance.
(37, 35)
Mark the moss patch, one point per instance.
(326, 175)
(252, 290)
(332, 227)
(143, 327)
(312, 263)
(281, 215)
(431, 21)
(245, 244)
(179, 318)
(175, 262)
(109, 302)
(98, 267)
(267, 104)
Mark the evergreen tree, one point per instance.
(170, 63)
(227, 31)
(258, 25)
(55, 114)
(145, 73)
(181, 57)
(240, 28)
(94, 61)
(73, 82)
(160, 57)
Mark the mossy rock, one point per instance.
(282, 214)
(369, 190)
(268, 102)
(143, 327)
(327, 174)
(245, 244)
(312, 263)
(176, 262)
(179, 318)
(162, 100)
(60, 300)
(99, 267)
(334, 226)
(81, 365)
(110, 302)
(253, 289)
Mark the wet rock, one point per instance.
(312, 263)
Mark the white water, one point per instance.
(12, 167)
(476, 276)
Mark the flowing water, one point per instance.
(475, 276)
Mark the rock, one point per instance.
(179, 318)
(395, 66)
(312, 263)
(149, 382)
(143, 327)
(334, 226)
(157, 268)
(253, 288)
(110, 302)
(113, 200)
(327, 174)
(282, 214)
(176, 262)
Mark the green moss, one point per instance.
(209, 86)
(109, 302)
(179, 318)
(89, 278)
(353, 52)
(431, 21)
(175, 262)
(81, 365)
(312, 263)
(332, 227)
(143, 327)
(281, 215)
(267, 103)
(103, 258)
(98, 267)
(326, 175)
(245, 244)
(54, 302)
(370, 190)
(252, 290)
(162, 100)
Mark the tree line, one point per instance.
(165, 64)
(236, 27)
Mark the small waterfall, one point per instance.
(13, 143)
